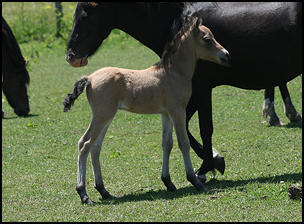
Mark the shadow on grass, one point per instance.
(152, 195)
(15, 117)
(223, 184)
(293, 125)
(212, 186)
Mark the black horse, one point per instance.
(264, 39)
(15, 77)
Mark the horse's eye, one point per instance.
(207, 40)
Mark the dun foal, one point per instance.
(164, 88)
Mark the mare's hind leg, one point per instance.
(268, 108)
(179, 120)
(89, 141)
(167, 144)
(289, 108)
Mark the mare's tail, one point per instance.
(78, 89)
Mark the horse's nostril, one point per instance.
(69, 55)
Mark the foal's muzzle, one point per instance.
(224, 58)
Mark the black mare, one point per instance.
(264, 40)
(15, 77)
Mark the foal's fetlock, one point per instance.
(195, 182)
(103, 192)
(168, 183)
(83, 196)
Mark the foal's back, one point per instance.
(138, 91)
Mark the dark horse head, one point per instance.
(93, 22)
(15, 77)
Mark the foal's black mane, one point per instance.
(172, 46)
(179, 27)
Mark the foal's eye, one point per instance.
(207, 40)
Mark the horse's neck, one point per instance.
(151, 26)
(184, 60)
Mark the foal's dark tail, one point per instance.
(78, 89)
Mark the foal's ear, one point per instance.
(199, 21)
(93, 4)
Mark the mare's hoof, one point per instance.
(201, 177)
(296, 118)
(275, 123)
(219, 163)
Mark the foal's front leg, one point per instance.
(167, 144)
(179, 119)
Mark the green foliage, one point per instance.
(36, 21)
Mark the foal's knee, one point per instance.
(167, 145)
(83, 146)
(184, 144)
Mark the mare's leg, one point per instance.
(268, 108)
(179, 120)
(167, 144)
(289, 108)
(212, 158)
(206, 115)
(89, 141)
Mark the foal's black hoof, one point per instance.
(219, 163)
(107, 195)
(168, 183)
(171, 187)
(88, 201)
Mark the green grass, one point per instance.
(39, 153)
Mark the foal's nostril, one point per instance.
(225, 57)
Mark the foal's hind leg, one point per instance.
(89, 141)
(268, 108)
(167, 144)
(83, 152)
(95, 152)
(179, 119)
(289, 108)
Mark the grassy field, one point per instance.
(39, 154)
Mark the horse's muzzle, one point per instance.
(76, 61)
(225, 58)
